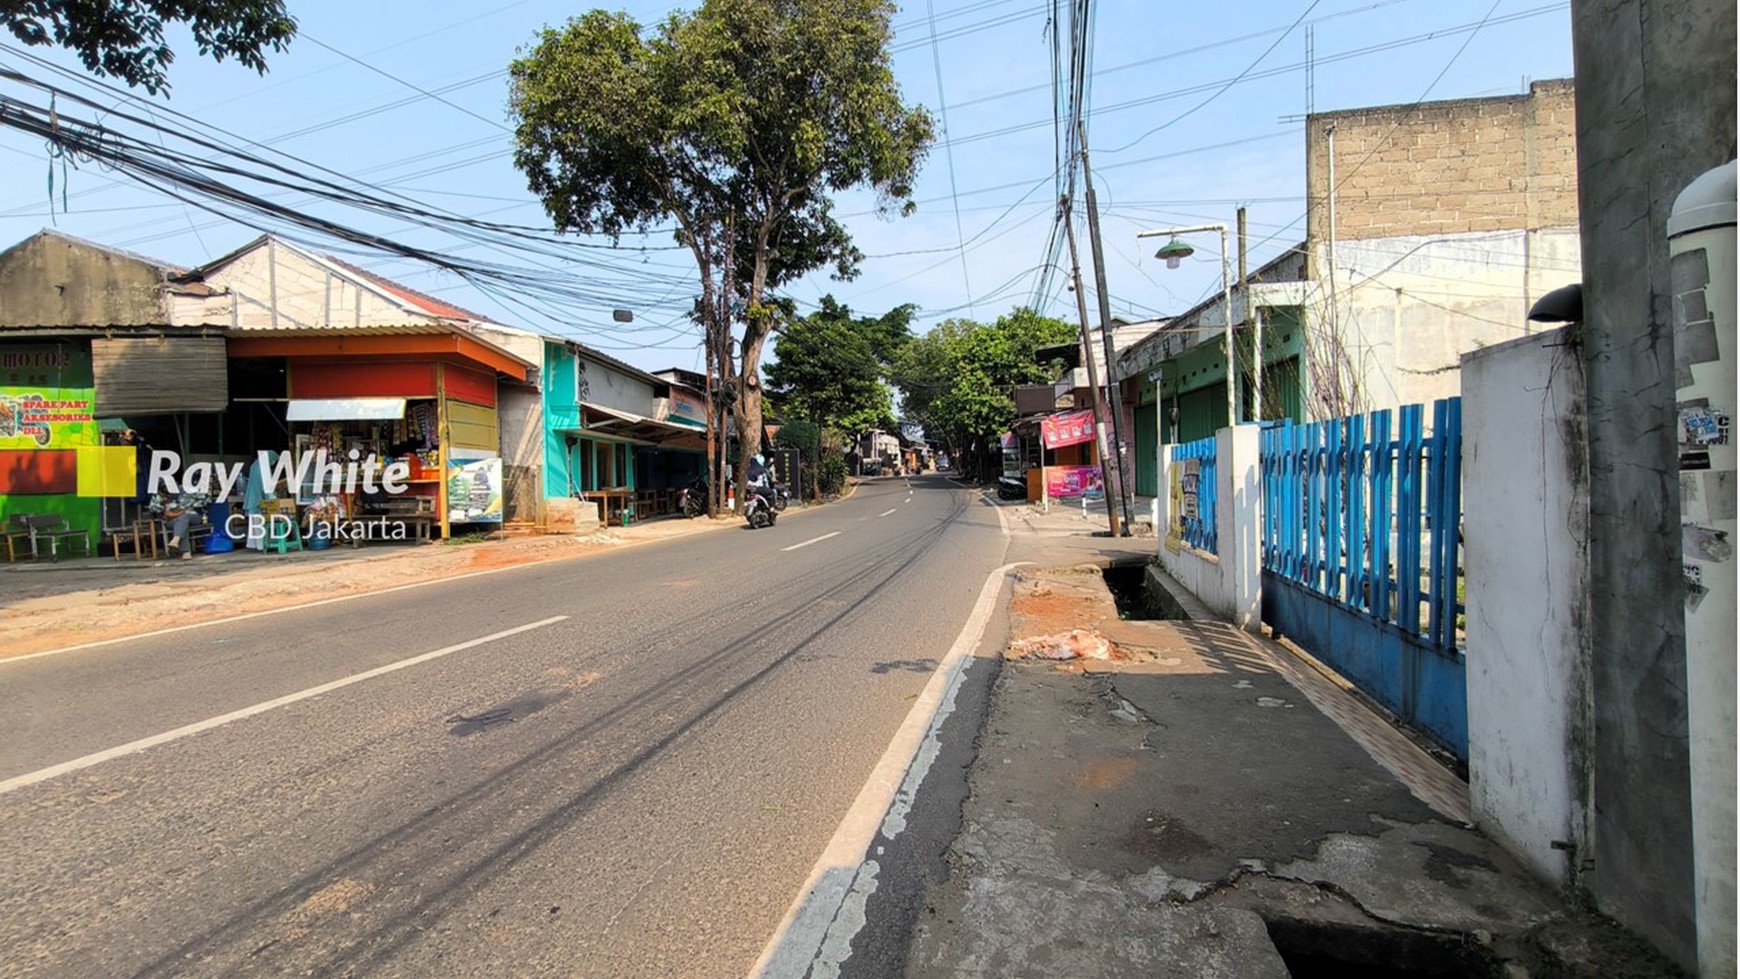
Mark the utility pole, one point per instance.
(1106, 463)
(1245, 298)
(1120, 485)
(715, 490)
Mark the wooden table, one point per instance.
(618, 503)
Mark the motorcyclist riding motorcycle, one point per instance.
(758, 507)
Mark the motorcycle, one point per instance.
(779, 496)
(692, 499)
(758, 508)
(1011, 488)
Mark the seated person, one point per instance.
(179, 512)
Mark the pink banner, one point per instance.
(1072, 480)
(1069, 428)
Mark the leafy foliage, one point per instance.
(956, 379)
(833, 474)
(124, 38)
(829, 367)
(737, 121)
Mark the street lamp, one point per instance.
(1172, 252)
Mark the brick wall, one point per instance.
(1466, 165)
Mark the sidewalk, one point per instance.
(48, 605)
(1204, 804)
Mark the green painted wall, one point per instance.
(32, 377)
(1192, 387)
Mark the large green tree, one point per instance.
(737, 122)
(956, 379)
(829, 366)
(124, 38)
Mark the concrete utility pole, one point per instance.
(1106, 463)
(1120, 485)
(1256, 412)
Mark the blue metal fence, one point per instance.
(1361, 540)
(1193, 493)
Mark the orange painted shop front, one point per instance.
(427, 398)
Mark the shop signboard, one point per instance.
(687, 408)
(45, 397)
(1066, 481)
(47, 430)
(1068, 428)
(474, 491)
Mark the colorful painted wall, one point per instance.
(46, 396)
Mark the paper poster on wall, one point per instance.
(474, 491)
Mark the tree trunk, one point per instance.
(749, 429)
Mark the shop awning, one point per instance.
(615, 421)
(345, 409)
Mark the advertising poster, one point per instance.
(1066, 481)
(474, 491)
(1069, 428)
(45, 397)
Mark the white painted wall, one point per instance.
(1526, 523)
(1230, 581)
(308, 293)
(613, 389)
(1411, 306)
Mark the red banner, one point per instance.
(1069, 428)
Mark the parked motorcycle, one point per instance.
(758, 508)
(1011, 488)
(692, 499)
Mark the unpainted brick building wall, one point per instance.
(1465, 165)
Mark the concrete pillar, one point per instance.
(1527, 563)
(1655, 108)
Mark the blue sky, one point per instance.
(412, 98)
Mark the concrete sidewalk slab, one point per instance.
(1197, 806)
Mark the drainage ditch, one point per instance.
(1128, 584)
(1321, 950)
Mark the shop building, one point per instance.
(327, 356)
(90, 350)
(618, 440)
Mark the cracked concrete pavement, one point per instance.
(1188, 807)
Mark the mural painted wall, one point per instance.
(46, 396)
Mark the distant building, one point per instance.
(1430, 230)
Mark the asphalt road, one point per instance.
(638, 788)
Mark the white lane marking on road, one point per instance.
(815, 936)
(133, 747)
(812, 540)
(887, 512)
